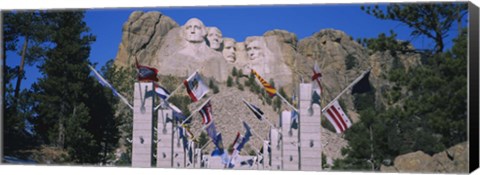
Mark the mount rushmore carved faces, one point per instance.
(229, 49)
(194, 30)
(255, 49)
(214, 37)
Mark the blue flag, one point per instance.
(294, 120)
(245, 138)
(247, 162)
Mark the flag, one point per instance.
(315, 98)
(233, 158)
(177, 113)
(161, 92)
(146, 73)
(258, 113)
(182, 136)
(269, 88)
(206, 113)
(196, 88)
(294, 120)
(247, 162)
(219, 150)
(363, 85)
(104, 83)
(211, 131)
(189, 133)
(294, 114)
(317, 77)
(337, 117)
(236, 141)
(245, 138)
(190, 150)
(234, 154)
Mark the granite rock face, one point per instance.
(452, 160)
(142, 36)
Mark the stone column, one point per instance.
(276, 147)
(290, 143)
(198, 158)
(266, 155)
(164, 139)
(310, 145)
(142, 145)
(178, 153)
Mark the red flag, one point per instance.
(317, 76)
(146, 73)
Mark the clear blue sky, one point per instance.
(242, 21)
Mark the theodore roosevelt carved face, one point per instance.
(229, 50)
(194, 30)
(214, 37)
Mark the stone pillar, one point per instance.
(164, 139)
(266, 155)
(310, 145)
(189, 164)
(290, 143)
(276, 147)
(198, 158)
(142, 145)
(178, 153)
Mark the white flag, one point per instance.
(196, 88)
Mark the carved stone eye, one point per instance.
(291, 158)
(164, 155)
(311, 143)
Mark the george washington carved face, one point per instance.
(194, 30)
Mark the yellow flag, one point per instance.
(270, 90)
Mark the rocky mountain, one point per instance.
(452, 160)
(157, 40)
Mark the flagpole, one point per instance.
(118, 93)
(345, 90)
(263, 117)
(206, 144)
(171, 94)
(252, 131)
(174, 91)
(195, 111)
(285, 101)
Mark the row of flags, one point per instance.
(197, 89)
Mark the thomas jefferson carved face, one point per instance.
(229, 50)
(214, 37)
(255, 50)
(194, 30)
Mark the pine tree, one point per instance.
(229, 81)
(33, 29)
(234, 72)
(73, 112)
(432, 20)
